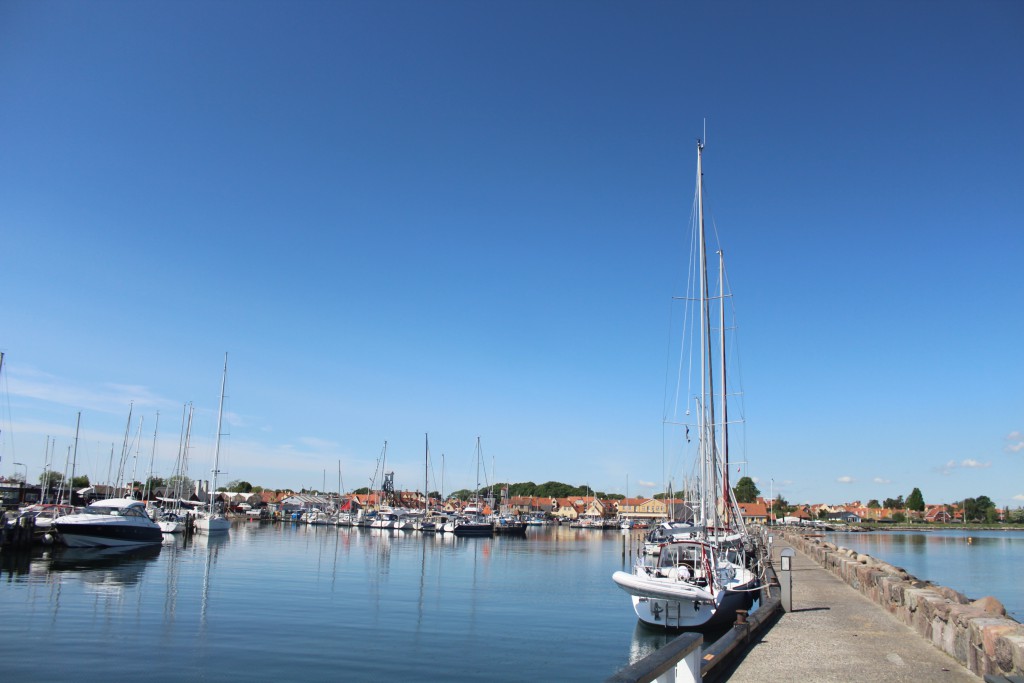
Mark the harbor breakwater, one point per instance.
(977, 633)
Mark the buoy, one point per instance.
(47, 539)
(970, 540)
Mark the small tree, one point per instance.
(873, 504)
(894, 503)
(915, 501)
(746, 490)
(51, 478)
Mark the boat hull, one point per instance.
(100, 535)
(673, 605)
(171, 527)
(516, 529)
(213, 525)
(474, 529)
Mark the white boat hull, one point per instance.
(669, 604)
(213, 525)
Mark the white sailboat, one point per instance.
(699, 575)
(213, 521)
(172, 519)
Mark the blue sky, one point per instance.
(469, 219)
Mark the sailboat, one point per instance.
(213, 521)
(172, 519)
(700, 577)
(472, 521)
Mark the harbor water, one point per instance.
(975, 563)
(289, 601)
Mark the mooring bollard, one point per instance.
(786, 578)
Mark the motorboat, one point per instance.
(109, 523)
(45, 514)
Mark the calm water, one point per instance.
(284, 601)
(989, 565)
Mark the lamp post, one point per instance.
(24, 483)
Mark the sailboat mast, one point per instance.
(478, 455)
(726, 507)
(152, 457)
(220, 421)
(426, 474)
(74, 461)
(707, 411)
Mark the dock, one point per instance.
(835, 634)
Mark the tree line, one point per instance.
(980, 509)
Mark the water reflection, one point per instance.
(107, 570)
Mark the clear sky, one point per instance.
(469, 218)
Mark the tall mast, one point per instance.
(725, 405)
(707, 403)
(74, 460)
(220, 422)
(478, 456)
(152, 457)
(426, 474)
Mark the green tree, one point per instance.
(746, 490)
(915, 501)
(873, 503)
(180, 482)
(80, 482)
(977, 509)
(894, 503)
(899, 517)
(525, 488)
(54, 479)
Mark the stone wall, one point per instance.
(977, 633)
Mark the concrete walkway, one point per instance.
(835, 634)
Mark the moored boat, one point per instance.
(700, 574)
(108, 523)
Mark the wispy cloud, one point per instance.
(1019, 496)
(966, 463)
(646, 483)
(110, 398)
(845, 479)
(1014, 442)
(880, 480)
(972, 463)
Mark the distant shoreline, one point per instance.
(868, 528)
